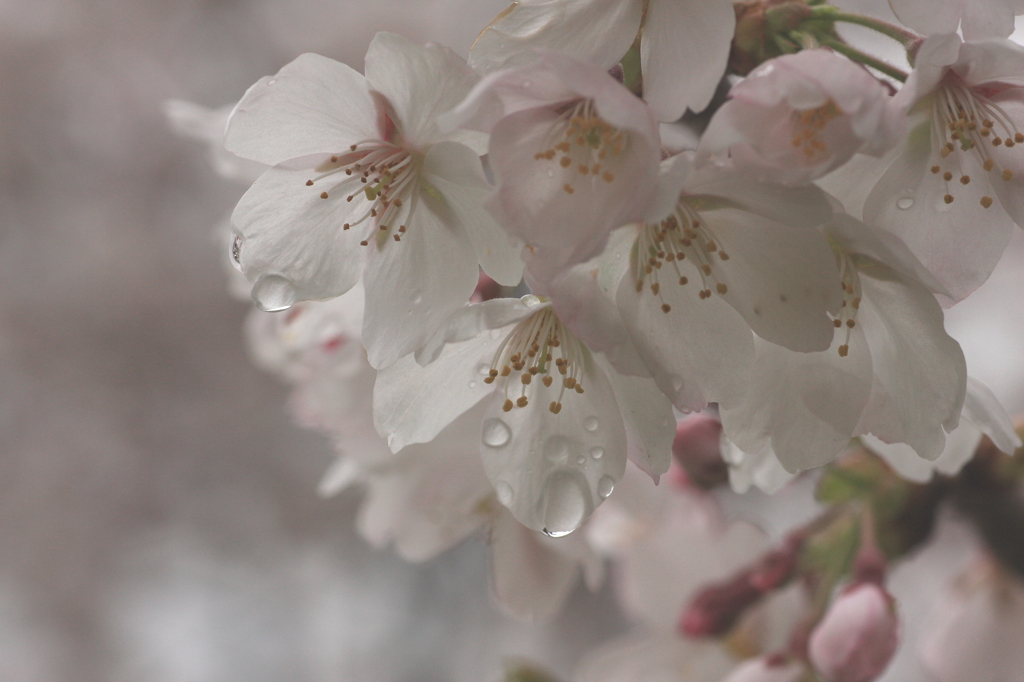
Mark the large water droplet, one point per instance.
(566, 502)
(591, 423)
(597, 452)
(273, 293)
(530, 300)
(496, 433)
(236, 252)
(605, 486)
(556, 448)
(905, 203)
(504, 491)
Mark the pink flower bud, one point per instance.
(857, 638)
(696, 447)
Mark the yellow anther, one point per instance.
(948, 198)
(323, 195)
(546, 380)
(986, 202)
(666, 308)
(843, 350)
(522, 401)
(555, 407)
(1007, 174)
(988, 165)
(507, 407)
(721, 288)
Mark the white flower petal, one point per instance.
(658, 659)
(803, 206)
(700, 351)
(595, 31)
(413, 285)
(412, 404)
(289, 232)
(649, 421)
(420, 83)
(928, 17)
(920, 372)
(804, 406)
(683, 53)
(472, 320)
(781, 279)
(552, 470)
(528, 578)
(455, 171)
(983, 409)
(314, 105)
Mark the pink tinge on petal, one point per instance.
(857, 637)
(697, 448)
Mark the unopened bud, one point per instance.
(767, 669)
(857, 638)
(697, 448)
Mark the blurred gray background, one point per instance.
(158, 514)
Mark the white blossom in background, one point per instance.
(977, 19)
(684, 44)
(574, 155)
(796, 117)
(363, 177)
(955, 188)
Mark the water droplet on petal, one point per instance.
(496, 433)
(530, 300)
(504, 491)
(273, 293)
(556, 448)
(236, 252)
(605, 486)
(677, 382)
(417, 298)
(566, 502)
(581, 460)
(905, 203)
(271, 81)
(483, 370)
(472, 384)
(597, 452)
(551, 173)
(591, 423)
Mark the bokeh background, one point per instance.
(158, 515)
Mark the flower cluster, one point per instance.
(540, 259)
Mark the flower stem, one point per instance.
(865, 59)
(901, 35)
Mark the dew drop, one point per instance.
(597, 452)
(483, 370)
(530, 300)
(556, 448)
(677, 382)
(551, 173)
(271, 81)
(417, 298)
(504, 491)
(581, 460)
(496, 433)
(905, 203)
(591, 424)
(472, 384)
(236, 252)
(273, 293)
(566, 502)
(605, 486)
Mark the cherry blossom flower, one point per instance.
(574, 155)
(956, 187)
(557, 423)
(982, 415)
(684, 44)
(363, 175)
(976, 18)
(796, 117)
(724, 255)
(891, 370)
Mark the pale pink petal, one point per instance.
(929, 17)
(314, 105)
(595, 31)
(683, 53)
(658, 659)
(473, 320)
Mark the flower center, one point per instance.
(528, 352)
(808, 125)
(849, 280)
(966, 122)
(680, 236)
(583, 142)
(383, 173)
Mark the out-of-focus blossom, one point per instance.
(189, 119)
(956, 186)
(903, 378)
(698, 449)
(857, 638)
(574, 155)
(977, 19)
(982, 415)
(798, 116)
(976, 629)
(363, 175)
(557, 421)
(684, 44)
(768, 669)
